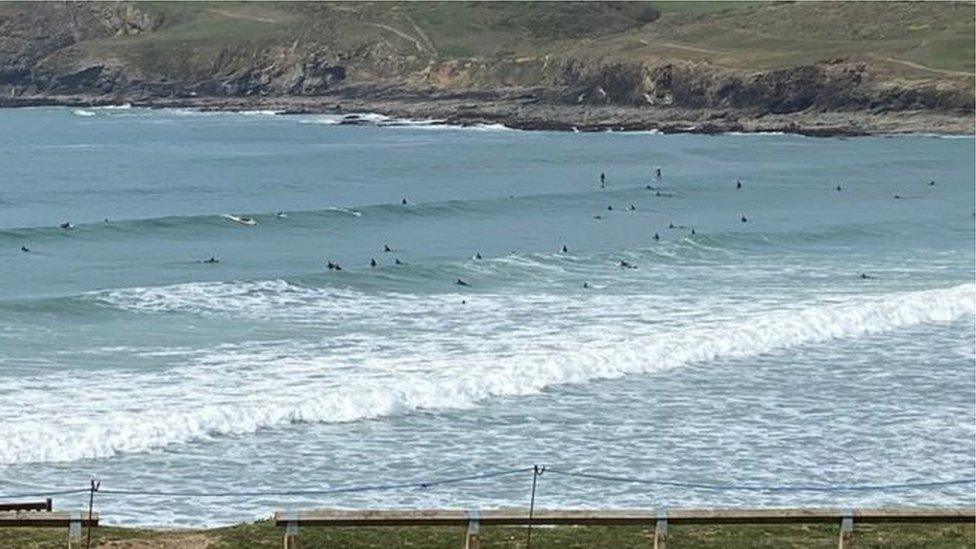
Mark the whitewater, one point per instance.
(784, 332)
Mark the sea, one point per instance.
(774, 320)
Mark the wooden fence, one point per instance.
(845, 518)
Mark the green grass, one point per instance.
(264, 534)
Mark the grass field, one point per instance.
(915, 40)
(265, 534)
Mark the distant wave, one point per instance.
(239, 390)
(83, 112)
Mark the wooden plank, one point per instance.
(42, 519)
(442, 517)
(27, 506)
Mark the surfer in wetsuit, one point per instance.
(632, 208)
(738, 184)
(586, 285)
(372, 262)
(66, 225)
(744, 219)
(460, 282)
(603, 180)
(397, 261)
(386, 248)
(657, 173)
(404, 202)
(565, 249)
(625, 265)
(865, 276)
(24, 249)
(477, 255)
(213, 259)
(657, 236)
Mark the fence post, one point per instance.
(74, 529)
(473, 538)
(291, 530)
(661, 530)
(846, 529)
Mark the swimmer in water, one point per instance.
(460, 282)
(372, 262)
(24, 249)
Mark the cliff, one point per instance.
(823, 67)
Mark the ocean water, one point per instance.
(747, 353)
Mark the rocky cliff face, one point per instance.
(112, 50)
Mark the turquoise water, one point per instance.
(748, 352)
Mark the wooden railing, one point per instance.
(293, 520)
(72, 520)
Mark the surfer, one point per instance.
(372, 262)
(477, 255)
(657, 193)
(625, 265)
(839, 187)
(24, 249)
(657, 173)
(597, 217)
(603, 180)
(670, 225)
(586, 285)
(460, 282)
(386, 248)
(565, 249)
(745, 219)
(633, 208)
(213, 259)
(738, 184)
(898, 197)
(404, 202)
(609, 208)
(397, 261)
(865, 276)
(931, 183)
(281, 215)
(693, 232)
(66, 225)
(657, 236)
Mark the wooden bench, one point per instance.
(292, 520)
(73, 520)
(27, 506)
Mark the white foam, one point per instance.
(82, 112)
(498, 347)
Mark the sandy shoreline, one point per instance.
(527, 113)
